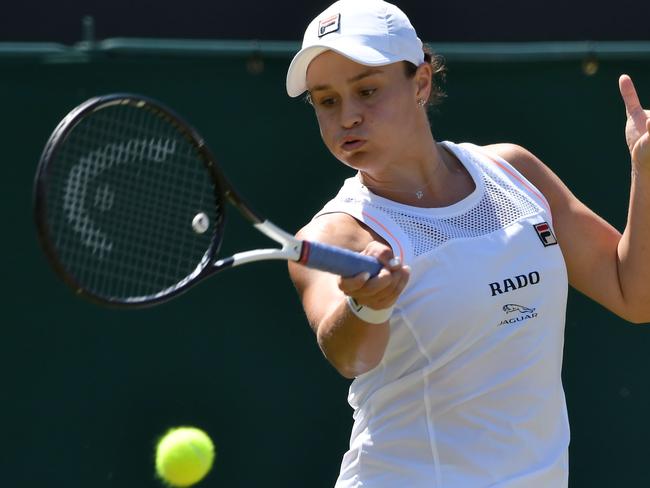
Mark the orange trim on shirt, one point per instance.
(522, 181)
(399, 245)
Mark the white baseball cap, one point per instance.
(369, 32)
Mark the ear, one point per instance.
(423, 77)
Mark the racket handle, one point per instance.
(337, 260)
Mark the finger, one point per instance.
(376, 284)
(353, 284)
(390, 295)
(394, 264)
(403, 277)
(380, 251)
(630, 97)
(406, 276)
(372, 290)
(384, 293)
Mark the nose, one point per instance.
(351, 115)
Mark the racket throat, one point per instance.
(291, 248)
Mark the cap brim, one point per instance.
(297, 73)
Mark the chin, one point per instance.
(357, 160)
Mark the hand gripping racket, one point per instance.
(129, 206)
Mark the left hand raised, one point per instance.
(637, 128)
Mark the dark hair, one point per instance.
(437, 63)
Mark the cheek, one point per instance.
(389, 123)
(399, 120)
(326, 128)
(397, 111)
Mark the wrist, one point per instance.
(639, 169)
(368, 314)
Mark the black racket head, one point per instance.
(128, 201)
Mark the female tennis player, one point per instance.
(455, 347)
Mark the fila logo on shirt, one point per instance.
(545, 233)
(329, 25)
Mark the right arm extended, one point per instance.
(350, 344)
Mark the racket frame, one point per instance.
(317, 255)
(222, 189)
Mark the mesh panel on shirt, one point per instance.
(501, 205)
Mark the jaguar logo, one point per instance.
(520, 312)
(513, 307)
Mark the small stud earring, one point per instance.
(421, 102)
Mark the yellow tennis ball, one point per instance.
(184, 455)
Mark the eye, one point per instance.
(367, 92)
(327, 101)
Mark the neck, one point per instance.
(420, 179)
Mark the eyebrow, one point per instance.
(360, 76)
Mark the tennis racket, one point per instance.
(130, 202)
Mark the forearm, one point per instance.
(350, 344)
(354, 342)
(634, 248)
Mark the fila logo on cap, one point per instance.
(545, 234)
(329, 25)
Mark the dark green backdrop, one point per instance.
(86, 391)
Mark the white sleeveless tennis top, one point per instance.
(469, 391)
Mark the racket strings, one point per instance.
(123, 190)
(139, 248)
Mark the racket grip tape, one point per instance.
(337, 260)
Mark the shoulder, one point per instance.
(532, 168)
(521, 158)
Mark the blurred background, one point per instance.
(87, 391)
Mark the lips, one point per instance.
(351, 143)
